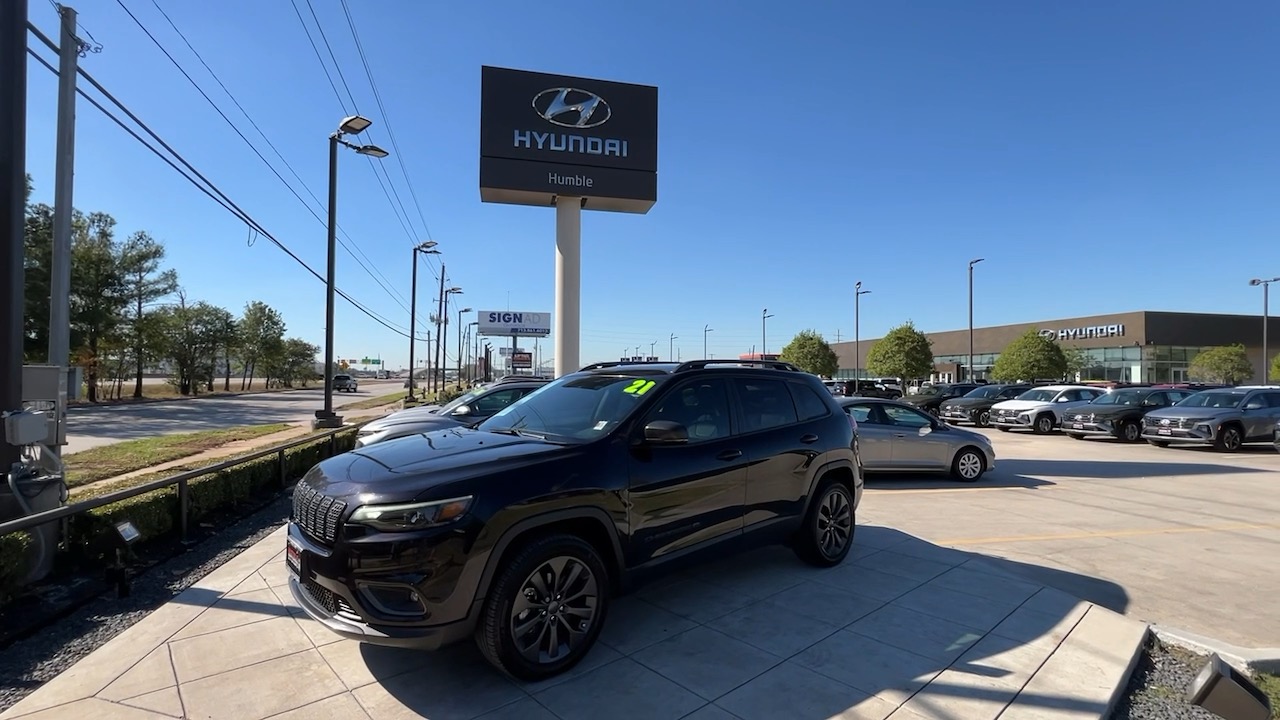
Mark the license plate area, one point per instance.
(293, 557)
(1164, 431)
(1077, 426)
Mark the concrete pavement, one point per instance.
(904, 630)
(92, 426)
(1190, 534)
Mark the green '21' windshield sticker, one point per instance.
(639, 387)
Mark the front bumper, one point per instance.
(1199, 435)
(353, 593)
(955, 415)
(1088, 427)
(1012, 421)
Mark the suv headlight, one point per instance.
(411, 516)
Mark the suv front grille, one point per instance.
(317, 514)
(1179, 423)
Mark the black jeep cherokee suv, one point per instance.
(519, 531)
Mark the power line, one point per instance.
(273, 147)
(212, 190)
(380, 281)
(377, 96)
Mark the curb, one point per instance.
(1251, 659)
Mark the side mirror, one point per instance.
(666, 432)
(925, 430)
(461, 410)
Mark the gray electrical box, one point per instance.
(44, 390)
(1228, 693)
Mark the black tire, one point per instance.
(827, 533)
(1159, 443)
(1129, 431)
(968, 465)
(1043, 424)
(983, 419)
(1229, 439)
(497, 634)
(1075, 436)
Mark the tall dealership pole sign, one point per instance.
(571, 143)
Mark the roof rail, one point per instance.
(771, 364)
(617, 363)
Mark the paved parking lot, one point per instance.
(1179, 537)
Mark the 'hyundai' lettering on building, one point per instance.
(567, 143)
(1086, 332)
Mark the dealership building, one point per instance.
(1143, 346)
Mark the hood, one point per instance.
(399, 421)
(1191, 412)
(1020, 404)
(411, 467)
(967, 402)
(1106, 410)
(918, 399)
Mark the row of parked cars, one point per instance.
(1223, 417)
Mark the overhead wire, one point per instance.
(273, 147)
(380, 281)
(208, 187)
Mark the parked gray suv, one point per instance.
(1225, 418)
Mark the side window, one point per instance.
(1256, 401)
(1275, 399)
(1159, 399)
(1010, 393)
(862, 414)
(906, 417)
(765, 403)
(495, 401)
(701, 406)
(809, 405)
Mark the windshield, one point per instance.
(1122, 397)
(986, 391)
(576, 409)
(1212, 400)
(1039, 395)
(467, 399)
(927, 390)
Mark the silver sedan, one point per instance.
(896, 437)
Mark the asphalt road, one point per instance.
(92, 426)
(1181, 537)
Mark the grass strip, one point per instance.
(376, 402)
(107, 461)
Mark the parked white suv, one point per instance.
(1040, 409)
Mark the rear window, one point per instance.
(809, 404)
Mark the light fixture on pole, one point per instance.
(1266, 319)
(426, 248)
(460, 345)
(652, 345)
(353, 125)
(764, 345)
(706, 329)
(858, 292)
(671, 345)
(969, 367)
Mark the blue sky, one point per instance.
(1103, 157)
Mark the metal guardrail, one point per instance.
(182, 480)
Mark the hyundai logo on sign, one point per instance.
(559, 105)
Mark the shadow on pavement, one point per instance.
(919, 481)
(1114, 469)
(763, 636)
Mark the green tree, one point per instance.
(145, 283)
(193, 332)
(294, 363)
(261, 335)
(1275, 369)
(1227, 364)
(1032, 356)
(811, 353)
(37, 254)
(1075, 360)
(98, 294)
(904, 352)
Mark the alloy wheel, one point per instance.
(1231, 439)
(1044, 424)
(984, 418)
(834, 522)
(554, 610)
(969, 465)
(1132, 433)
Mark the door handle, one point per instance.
(809, 439)
(899, 435)
(729, 455)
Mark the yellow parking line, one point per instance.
(1109, 534)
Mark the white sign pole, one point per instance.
(568, 283)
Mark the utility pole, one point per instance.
(13, 196)
(671, 344)
(764, 342)
(705, 329)
(435, 385)
(969, 369)
(858, 292)
(64, 174)
(413, 319)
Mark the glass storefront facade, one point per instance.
(1130, 363)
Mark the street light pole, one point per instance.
(671, 344)
(764, 344)
(652, 345)
(460, 345)
(706, 329)
(969, 368)
(13, 183)
(1266, 319)
(426, 249)
(353, 125)
(858, 292)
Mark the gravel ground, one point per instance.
(28, 663)
(1158, 688)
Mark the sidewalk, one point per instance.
(903, 630)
